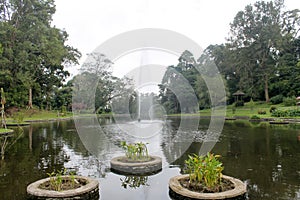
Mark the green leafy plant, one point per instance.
(56, 179)
(135, 151)
(205, 170)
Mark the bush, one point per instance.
(277, 99)
(261, 112)
(286, 113)
(289, 101)
(272, 109)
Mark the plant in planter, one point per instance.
(64, 185)
(136, 161)
(205, 180)
(136, 151)
(205, 173)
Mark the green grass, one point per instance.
(247, 110)
(35, 114)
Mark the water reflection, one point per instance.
(134, 181)
(266, 157)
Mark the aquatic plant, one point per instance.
(135, 151)
(205, 170)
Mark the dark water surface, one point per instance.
(266, 157)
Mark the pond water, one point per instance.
(266, 157)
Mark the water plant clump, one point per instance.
(136, 151)
(61, 180)
(205, 174)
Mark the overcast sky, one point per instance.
(91, 22)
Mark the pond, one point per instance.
(265, 156)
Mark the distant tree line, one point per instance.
(260, 57)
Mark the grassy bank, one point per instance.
(36, 115)
(248, 110)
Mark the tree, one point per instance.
(34, 52)
(257, 37)
(96, 87)
(177, 90)
(3, 102)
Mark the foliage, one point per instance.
(56, 179)
(136, 151)
(184, 87)
(261, 42)
(286, 113)
(289, 101)
(33, 54)
(261, 112)
(205, 170)
(277, 99)
(96, 87)
(272, 109)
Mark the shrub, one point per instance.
(289, 101)
(272, 109)
(277, 99)
(286, 113)
(261, 112)
(204, 170)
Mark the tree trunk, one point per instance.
(267, 89)
(30, 99)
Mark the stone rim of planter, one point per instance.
(239, 189)
(7, 132)
(34, 190)
(136, 168)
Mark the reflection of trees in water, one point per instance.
(266, 157)
(8, 140)
(182, 136)
(134, 181)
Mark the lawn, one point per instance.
(248, 110)
(36, 114)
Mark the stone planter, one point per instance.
(121, 166)
(86, 192)
(175, 187)
(7, 132)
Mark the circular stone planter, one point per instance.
(88, 191)
(239, 189)
(6, 132)
(120, 165)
